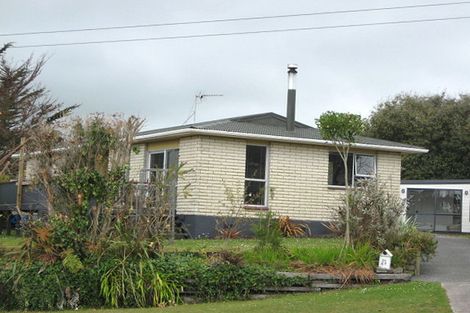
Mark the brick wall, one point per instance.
(299, 179)
(216, 165)
(298, 176)
(136, 163)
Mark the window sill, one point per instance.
(255, 207)
(336, 187)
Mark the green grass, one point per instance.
(10, 242)
(315, 251)
(241, 245)
(311, 251)
(305, 248)
(414, 297)
(209, 245)
(316, 256)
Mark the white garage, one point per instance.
(438, 205)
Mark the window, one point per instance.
(157, 160)
(255, 175)
(360, 166)
(336, 169)
(365, 165)
(160, 161)
(163, 159)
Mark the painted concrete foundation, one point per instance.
(204, 226)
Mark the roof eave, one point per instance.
(194, 132)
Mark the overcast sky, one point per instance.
(349, 69)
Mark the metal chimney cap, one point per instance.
(293, 67)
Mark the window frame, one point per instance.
(148, 160)
(149, 156)
(165, 159)
(355, 155)
(265, 180)
(354, 174)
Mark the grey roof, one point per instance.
(436, 182)
(269, 124)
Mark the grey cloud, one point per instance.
(345, 69)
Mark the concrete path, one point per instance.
(451, 267)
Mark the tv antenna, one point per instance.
(198, 98)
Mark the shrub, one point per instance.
(267, 256)
(376, 220)
(375, 214)
(220, 281)
(318, 256)
(409, 243)
(360, 256)
(267, 231)
(39, 286)
(140, 283)
(136, 283)
(226, 257)
(4, 178)
(230, 220)
(230, 282)
(291, 229)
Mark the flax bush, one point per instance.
(410, 243)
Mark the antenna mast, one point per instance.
(197, 100)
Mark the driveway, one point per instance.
(451, 267)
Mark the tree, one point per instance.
(82, 168)
(342, 129)
(24, 104)
(438, 123)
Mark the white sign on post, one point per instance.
(385, 260)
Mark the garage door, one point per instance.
(437, 210)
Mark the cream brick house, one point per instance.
(266, 166)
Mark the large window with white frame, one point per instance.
(159, 161)
(360, 166)
(256, 175)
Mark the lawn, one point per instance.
(10, 242)
(412, 297)
(208, 245)
(241, 245)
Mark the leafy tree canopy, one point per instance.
(340, 127)
(24, 104)
(439, 123)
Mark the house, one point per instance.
(266, 162)
(268, 167)
(438, 205)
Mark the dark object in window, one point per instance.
(254, 192)
(336, 169)
(255, 162)
(156, 160)
(255, 175)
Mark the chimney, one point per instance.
(292, 73)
